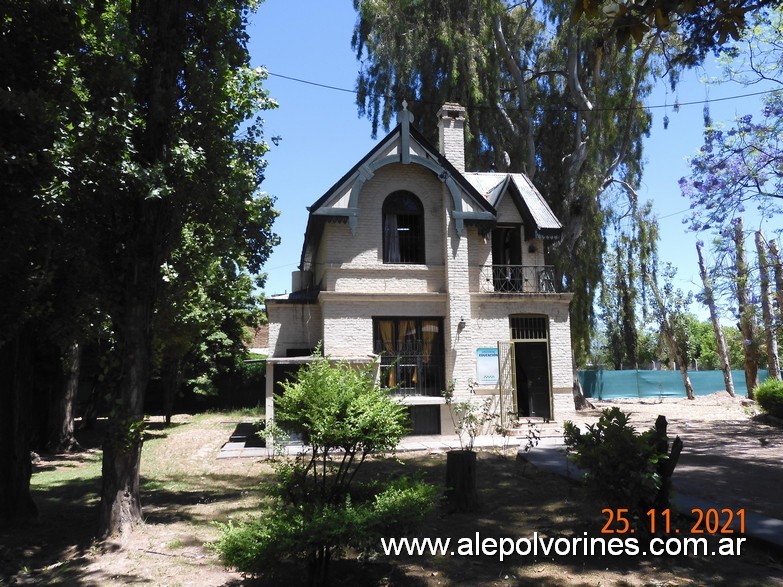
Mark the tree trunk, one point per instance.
(580, 401)
(665, 466)
(171, 390)
(747, 324)
(461, 492)
(709, 299)
(668, 335)
(777, 267)
(773, 362)
(61, 429)
(16, 502)
(120, 508)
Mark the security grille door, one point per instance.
(532, 373)
(508, 408)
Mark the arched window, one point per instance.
(403, 229)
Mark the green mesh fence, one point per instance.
(657, 384)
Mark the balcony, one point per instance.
(516, 279)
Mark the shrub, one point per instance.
(622, 467)
(769, 396)
(342, 416)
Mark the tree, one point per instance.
(207, 302)
(158, 129)
(703, 26)
(37, 88)
(558, 102)
(740, 166)
(669, 307)
(623, 289)
(170, 128)
(773, 362)
(737, 168)
(709, 300)
(746, 310)
(777, 267)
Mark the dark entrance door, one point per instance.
(532, 378)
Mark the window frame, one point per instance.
(433, 372)
(398, 248)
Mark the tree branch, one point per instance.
(516, 74)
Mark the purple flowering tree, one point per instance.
(736, 169)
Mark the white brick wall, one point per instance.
(348, 319)
(365, 249)
(293, 326)
(359, 286)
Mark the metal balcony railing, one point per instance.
(518, 279)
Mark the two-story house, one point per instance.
(440, 273)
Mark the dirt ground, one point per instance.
(732, 454)
(185, 489)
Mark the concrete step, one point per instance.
(544, 429)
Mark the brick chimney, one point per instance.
(451, 134)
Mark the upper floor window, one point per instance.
(403, 229)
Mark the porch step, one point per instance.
(544, 429)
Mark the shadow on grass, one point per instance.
(57, 548)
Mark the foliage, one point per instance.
(623, 308)
(756, 55)
(208, 302)
(469, 417)
(555, 100)
(769, 396)
(295, 533)
(736, 168)
(702, 26)
(342, 416)
(621, 465)
(134, 139)
(670, 309)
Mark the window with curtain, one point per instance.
(403, 229)
(411, 351)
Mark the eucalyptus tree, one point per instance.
(708, 296)
(670, 308)
(704, 26)
(557, 100)
(746, 309)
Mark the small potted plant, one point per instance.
(469, 419)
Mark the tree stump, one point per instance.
(666, 466)
(461, 492)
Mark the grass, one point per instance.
(185, 490)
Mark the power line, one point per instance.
(674, 106)
(309, 83)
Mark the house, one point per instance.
(439, 272)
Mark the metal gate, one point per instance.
(508, 400)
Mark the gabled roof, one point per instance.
(422, 153)
(482, 192)
(540, 221)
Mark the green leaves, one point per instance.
(621, 465)
(339, 406)
(341, 415)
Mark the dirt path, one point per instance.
(730, 456)
(186, 489)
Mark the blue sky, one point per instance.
(323, 137)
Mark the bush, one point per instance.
(300, 532)
(769, 396)
(342, 416)
(622, 467)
